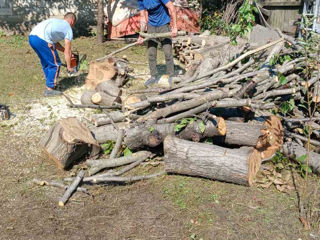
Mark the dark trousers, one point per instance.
(166, 47)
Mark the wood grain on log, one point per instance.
(67, 141)
(210, 161)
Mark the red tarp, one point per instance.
(187, 20)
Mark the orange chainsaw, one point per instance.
(75, 62)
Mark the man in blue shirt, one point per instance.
(44, 39)
(159, 14)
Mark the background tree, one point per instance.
(100, 21)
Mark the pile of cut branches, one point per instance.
(220, 121)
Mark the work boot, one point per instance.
(151, 80)
(51, 93)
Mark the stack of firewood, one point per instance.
(104, 82)
(221, 121)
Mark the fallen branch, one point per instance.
(71, 188)
(97, 165)
(59, 185)
(128, 179)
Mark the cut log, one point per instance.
(267, 137)
(86, 97)
(238, 166)
(67, 141)
(109, 87)
(104, 99)
(99, 72)
(295, 151)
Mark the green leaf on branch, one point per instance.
(151, 129)
(202, 127)
(107, 147)
(127, 152)
(183, 123)
(282, 80)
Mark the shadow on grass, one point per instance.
(72, 81)
(163, 70)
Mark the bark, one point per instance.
(98, 165)
(210, 161)
(118, 144)
(71, 188)
(100, 22)
(109, 87)
(163, 112)
(117, 116)
(163, 98)
(68, 141)
(86, 97)
(58, 184)
(295, 151)
(127, 179)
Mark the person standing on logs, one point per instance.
(159, 14)
(44, 39)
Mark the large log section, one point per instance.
(238, 166)
(67, 141)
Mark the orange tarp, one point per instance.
(187, 20)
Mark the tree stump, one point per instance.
(238, 166)
(67, 141)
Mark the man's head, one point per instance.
(71, 18)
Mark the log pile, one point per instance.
(221, 121)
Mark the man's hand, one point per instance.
(140, 40)
(70, 69)
(174, 32)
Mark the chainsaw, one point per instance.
(75, 62)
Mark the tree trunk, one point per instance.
(238, 166)
(100, 22)
(67, 141)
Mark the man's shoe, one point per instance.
(51, 93)
(151, 80)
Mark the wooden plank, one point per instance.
(282, 3)
(284, 18)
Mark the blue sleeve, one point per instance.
(69, 34)
(165, 1)
(141, 6)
